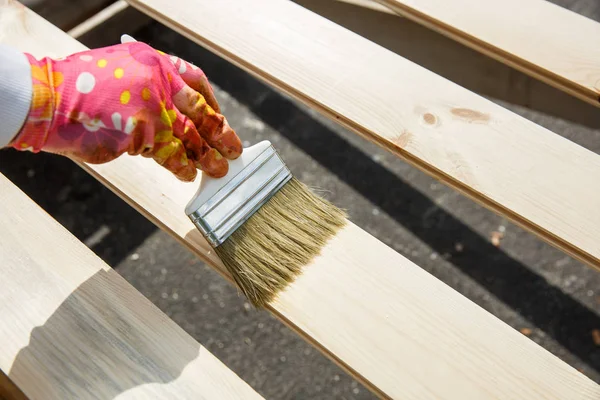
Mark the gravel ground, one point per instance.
(535, 288)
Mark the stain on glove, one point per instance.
(96, 105)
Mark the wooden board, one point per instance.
(79, 330)
(399, 330)
(548, 42)
(438, 53)
(541, 181)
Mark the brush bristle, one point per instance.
(269, 250)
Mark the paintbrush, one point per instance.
(264, 224)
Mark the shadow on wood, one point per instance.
(92, 345)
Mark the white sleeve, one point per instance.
(15, 92)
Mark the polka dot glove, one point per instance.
(95, 105)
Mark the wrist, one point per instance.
(15, 92)
(44, 101)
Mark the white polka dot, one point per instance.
(182, 67)
(173, 59)
(93, 125)
(88, 123)
(85, 82)
(130, 125)
(86, 58)
(116, 120)
(194, 67)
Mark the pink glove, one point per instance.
(95, 105)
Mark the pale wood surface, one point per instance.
(456, 62)
(538, 179)
(73, 328)
(395, 327)
(546, 41)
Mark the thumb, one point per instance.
(127, 39)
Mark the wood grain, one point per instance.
(389, 323)
(541, 39)
(550, 43)
(454, 61)
(541, 181)
(79, 330)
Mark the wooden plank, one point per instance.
(541, 39)
(475, 71)
(496, 157)
(399, 330)
(79, 330)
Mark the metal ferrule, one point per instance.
(235, 202)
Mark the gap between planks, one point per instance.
(550, 43)
(98, 19)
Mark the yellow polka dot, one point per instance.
(165, 152)
(119, 73)
(102, 63)
(172, 115)
(24, 145)
(163, 136)
(162, 53)
(164, 117)
(146, 94)
(125, 97)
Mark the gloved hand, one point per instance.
(95, 105)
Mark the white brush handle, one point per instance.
(209, 186)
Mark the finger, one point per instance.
(211, 125)
(204, 157)
(127, 39)
(170, 152)
(195, 78)
(191, 75)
